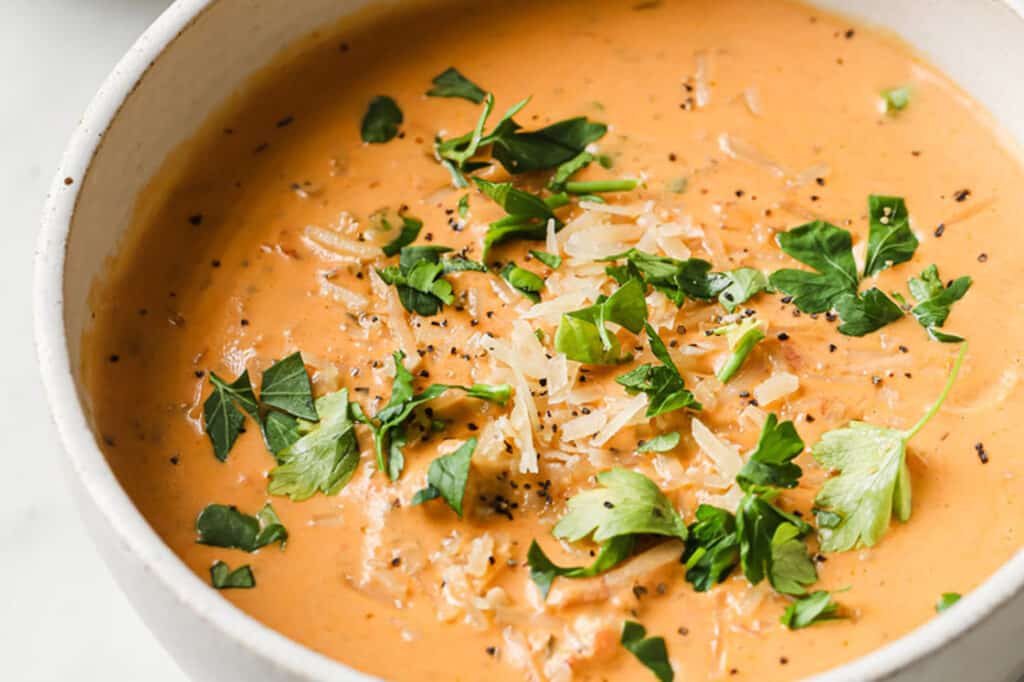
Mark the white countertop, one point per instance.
(63, 618)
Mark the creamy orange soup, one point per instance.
(741, 121)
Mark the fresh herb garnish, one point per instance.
(522, 280)
(934, 301)
(323, 457)
(220, 525)
(451, 83)
(763, 550)
(677, 279)
(742, 284)
(569, 169)
(409, 231)
(663, 442)
(447, 477)
(583, 336)
(223, 578)
(528, 214)
(222, 419)
(381, 120)
(419, 278)
(391, 422)
(829, 250)
(896, 99)
(463, 206)
(712, 547)
(601, 186)
(663, 383)
(873, 484)
(286, 387)
(946, 600)
(650, 651)
(551, 260)
(741, 336)
(771, 462)
(816, 607)
(543, 571)
(792, 568)
(890, 240)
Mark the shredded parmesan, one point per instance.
(775, 387)
(724, 455)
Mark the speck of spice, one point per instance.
(196, 219)
(982, 257)
(940, 230)
(783, 336)
(115, 357)
(982, 455)
(961, 194)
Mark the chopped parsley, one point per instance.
(771, 462)
(583, 336)
(677, 279)
(286, 387)
(447, 477)
(896, 99)
(946, 600)
(742, 336)
(767, 550)
(419, 278)
(873, 484)
(543, 571)
(569, 169)
(890, 239)
(220, 525)
(528, 214)
(934, 301)
(323, 457)
(742, 284)
(409, 231)
(650, 651)
(663, 383)
(712, 547)
(601, 186)
(551, 260)
(222, 418)
(663, 442)
(451, 83)
(522, 280)
(223, 578)
(390, 430)
(381, 120)
(816, 607)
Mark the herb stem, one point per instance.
(554, 201)
(942, 396)
(598, 186)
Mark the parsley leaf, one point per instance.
(742, 284)
(279, 430)
(543, 571)
(934, 301)
(827, 249)
(220, 525)
(222, 419)
(757, 522)
(873, 484)
(551, 260)
(663, 442)
(896, 99)
(650, 651)
(409, 231)
(419, 278)
(528, 214)
(890, 240)
(583, 336)
(864, 313)
(816, 607)
(946, 600)
(523, 281)
(677, 279)
(663, 384)
(447, 477)
(381, 120)
(770, 464)
(223, 578)
(791, 568)
(628, 503)
(286, 387)
(712, 547)
(323, 458)
(451, 83)
(390, 432)
(742, 336)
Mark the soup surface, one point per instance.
(740, 121)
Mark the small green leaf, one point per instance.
(463, 206)
(742, 336)
(712, 547)
(222, 419)
(771, 462)
(628, 503)
(757, 521)
(827, 249)
(677, 279)
(410, 230)
(663, 384)
(279, 431)
(663, 442)
(792, 568)
(867, 312)
(523, 152)
(447, 477)
(743, 285)
(601, 186)
(816, 607)
(221, 525)
(934, 301)
(223, 578)
(650, 651)
(551, 260)
(381, 121)
(569, 169)
(890, 241)
(451, 83)
(522, 280)
(543, 571)
(583, 336)
(946, 600)
(896, 99)
(286, 387)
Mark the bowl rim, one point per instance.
(131, 529)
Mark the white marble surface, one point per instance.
(61, 615)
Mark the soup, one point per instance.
(658, 381)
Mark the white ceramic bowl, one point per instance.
(177, 73)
